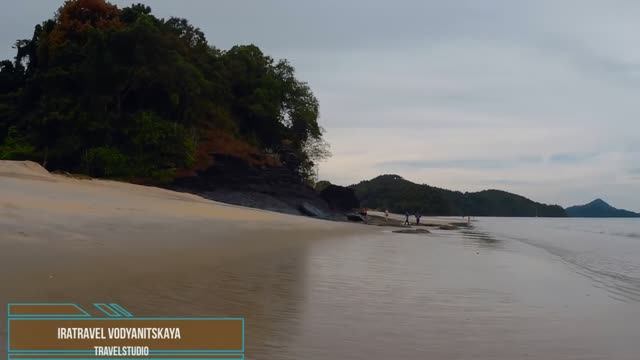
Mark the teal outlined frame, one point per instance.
(83, 313)
(114, 312)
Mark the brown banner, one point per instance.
(195, 334)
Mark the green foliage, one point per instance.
(321, 185)
(15, 146)
(398, 195)
(105, 162)
(157, 144)
(120, 93)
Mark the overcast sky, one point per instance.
(538, 97)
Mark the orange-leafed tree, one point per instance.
(75, 17)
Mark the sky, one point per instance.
(537, 97)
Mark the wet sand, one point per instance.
(309, 289)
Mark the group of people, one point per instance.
(416, 215)
(406, 217)
(364, 213)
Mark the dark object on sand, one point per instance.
(382, 221)
(354, 217)
(310, 210)
(340, 198)
(412, 231)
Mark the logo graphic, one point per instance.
(109, 331)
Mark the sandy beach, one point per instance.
(308, 288)
(70, 240)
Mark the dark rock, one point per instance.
(310, 210)
(354, 217)
(340, 198)
(447, 227)
(277, 188)
(412, 231)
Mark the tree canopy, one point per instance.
(121, 93)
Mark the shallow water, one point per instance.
(507, 289)
(605, 250)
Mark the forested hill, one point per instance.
(398, 195)
(120, 93)
(599, 208)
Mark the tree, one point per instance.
(120, 93)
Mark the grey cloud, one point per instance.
(460, 163)
(565, 73)
(504, 182)
(568, 158)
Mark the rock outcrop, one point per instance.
(270, 187)
(340, 198)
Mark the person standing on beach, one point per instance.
(386, 215)
(364, 214)
(406, 218)
(417, 215)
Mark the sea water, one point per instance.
(607, 251)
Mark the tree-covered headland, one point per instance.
(119, 93)
(399, 195)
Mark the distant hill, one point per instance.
(599, 208)
(399, 195)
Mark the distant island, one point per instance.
(599, 208)
(399, 195)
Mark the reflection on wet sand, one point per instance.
(368, 295)
(319, 290)
(480, 238)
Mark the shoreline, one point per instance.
(304, 285)
(64, 239)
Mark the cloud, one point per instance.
(568, 158)
(538, 97)
(460, 163)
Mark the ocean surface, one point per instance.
(506, 289)
(606, 251)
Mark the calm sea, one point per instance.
(506, 289)
(607, 251)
